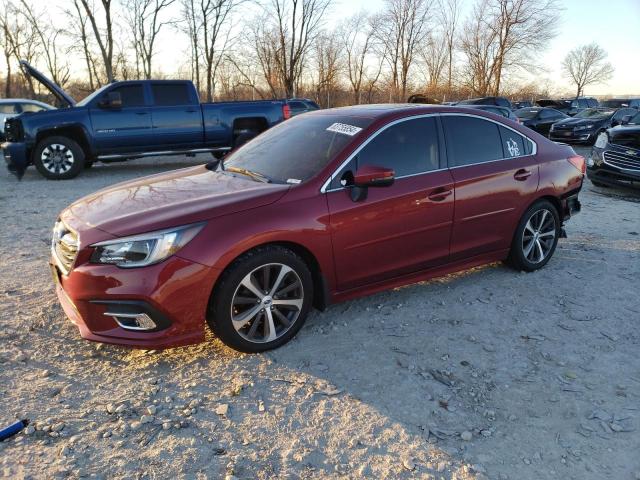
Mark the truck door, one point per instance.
(176, 116)
(126, 128)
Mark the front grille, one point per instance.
(64, 246)
(562, 128)
(622, 160)
(13, 130)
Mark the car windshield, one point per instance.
(526, 113)
(594, 113)
(635, 120)
(88, 98)
(296, 150)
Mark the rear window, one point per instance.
(167, 94)
(298, 149)
(471, 140)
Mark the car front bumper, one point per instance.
(612, 171)
(16, 157)
(570, 136)
(174, 294)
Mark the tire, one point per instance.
(88, 164)
(527, 247)
(240, 316)
(58, 158)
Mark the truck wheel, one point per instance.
(58, 158)
(88, 164)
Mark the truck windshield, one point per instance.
(90, 97)
(296, 150)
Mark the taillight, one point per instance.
(286, 111)
(578, 162)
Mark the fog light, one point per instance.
(133, 321)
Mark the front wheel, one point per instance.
(536, 237)
(261, 300)
(58, 158)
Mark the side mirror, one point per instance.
(111, 100)
(626, 119)
(370, 176)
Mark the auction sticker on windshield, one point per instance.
(344, 128)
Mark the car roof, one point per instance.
(385, 111)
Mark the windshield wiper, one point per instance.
(254, 175)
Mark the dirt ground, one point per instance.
(489, 373)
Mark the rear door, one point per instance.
(176, 116)
(397, 229)
(126, 128)
(496, 178)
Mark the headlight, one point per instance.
(602, 140)
(584, 127)
(145, 249)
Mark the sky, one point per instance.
(614, 25)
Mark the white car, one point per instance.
(10, 107)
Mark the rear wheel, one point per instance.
(262, 300)
(536, 237)
(58, 158)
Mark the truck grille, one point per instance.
(622, 160)
(13, 130)
(64, 246)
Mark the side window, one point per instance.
(8, 108)
(503, 102)
(592, 102)
(471, 140)
(409, 147)
(167, 94)
(132, 95)
(582, 103)
(30, 107)
(513, 144)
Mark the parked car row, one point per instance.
(12, 107)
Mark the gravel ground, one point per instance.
(488, 373)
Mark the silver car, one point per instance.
(10, 107)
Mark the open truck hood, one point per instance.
(63, 97)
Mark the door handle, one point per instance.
(522, 174)
(439, 195)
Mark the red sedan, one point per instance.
(326, 207)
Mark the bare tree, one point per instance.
(103, 37)
(587, 65)
(328, 56)
(20, 42)
(145, 23)
(296, 23)
(48, 39)
(191, 26)
(81, 42)
(358, 41)
(209, 28)
(403, 29)
(264, 40)
(434, 56)
(449, 18)
(501, 36)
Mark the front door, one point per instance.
(496, 179)
(123, 129)
(400, 228)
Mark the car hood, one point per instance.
(63, 97)
(169, 199)
(625, 136)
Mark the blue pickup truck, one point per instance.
(132, 119)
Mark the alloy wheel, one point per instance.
(267, 302)
(539, 236)
(57, 158)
